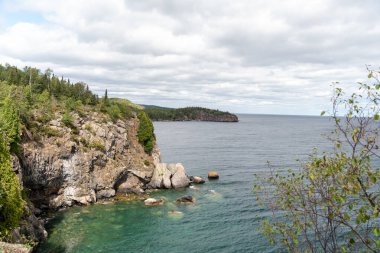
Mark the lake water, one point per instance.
(225, 217)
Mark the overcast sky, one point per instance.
(249, 56)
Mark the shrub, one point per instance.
(50, 132)
(114, 112)
(332, 203)
(11, 203)
(10, 124)
(145, 133)
(96, 145)
(67, 120)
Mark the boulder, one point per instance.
(161, 177)
(132, 184)
(179, 178)
(185, 200)
(153, 202)
(197, 180)
(169, 176)
(107, 193)
(213, 175)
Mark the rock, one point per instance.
(197, 180)
(179, 178)
(185, 200)
(130, 184)
(169, 176)
(153, 202)
(213, 175)
(161, 177)
(175, 214)
(61, 170)
(14, 248)
(107, 193)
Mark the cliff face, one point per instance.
(78, 163)
(84, 162)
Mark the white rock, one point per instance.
(180, 179)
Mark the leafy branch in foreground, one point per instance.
(332, 203)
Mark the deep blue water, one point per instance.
(225, 218)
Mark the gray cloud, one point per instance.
(261, 56)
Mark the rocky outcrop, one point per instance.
(31, 228)
(185, 200)
(169, 176)
(84, 162)
(79, 163)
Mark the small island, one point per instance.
(157, 113)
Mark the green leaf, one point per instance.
(352, 241)
(370, 75)
(373, 179)
(377, 86)
(376, 117)
(323, 113)
(376, 231)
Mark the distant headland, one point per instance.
(157, 113)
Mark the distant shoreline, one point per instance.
(157, 113)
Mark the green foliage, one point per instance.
(145, 132)
(68, 120)
(10, 123)
(114, 112)
(50, 132)
(96, 145)
(188, 113)
(92, 145)
(11, 203)
(332, 203)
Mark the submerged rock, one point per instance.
(175, 214)
(153, 202)
(186, 200)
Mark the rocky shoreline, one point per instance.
(97, 160)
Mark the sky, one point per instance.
(244, 56)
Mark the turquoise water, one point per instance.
(225, 217)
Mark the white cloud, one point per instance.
(261, 56)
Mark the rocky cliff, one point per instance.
(83, 162)
(92, 158)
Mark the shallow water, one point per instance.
(225, 217)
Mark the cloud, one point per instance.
(245, 56)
